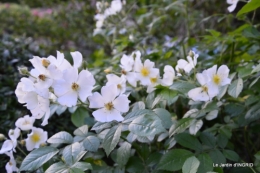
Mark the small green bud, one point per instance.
(2, 137)
(191, 54)
(23, 71)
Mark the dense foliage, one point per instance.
(179, 84)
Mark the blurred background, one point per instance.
(163, 30)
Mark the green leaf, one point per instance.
(212, 115)
(191, 113)
(222, 140)
(134, 114)
(73, 153)
(191, 165)
(82, 165)
(75, 170)
(235, 88)
(195, 127)
(254, 81)
(150, 99)
(61, 138)
(138, 106)
(174, 159)
(101, 126)
(59, 167)
(208, 139)
(167, 94)
(182, 86)
(153, 159)
(188, 141)
(169, 143)
(91, 143)
(81, 131)
(111, 139)
(146, 125)
(250, 6)
(254, 112)
(231, 155)
(37, 158)
(213, 32)
(79, 116)
(123, 154)
(180, 126)
(256, 69)
(257, 155)
(134, 165)
(206, 163)
(165, 117)
(217, 157)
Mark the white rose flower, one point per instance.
(37, 104)
(187, 66)
(25, 123)
(127, 65)
(11, 165)
(35, 138)
(154, 82)
(72, 86)
(120, 82)
(145, 71)
(110, 105)
(9, 145)
(218, 77)
(168, 76)
(205, 92)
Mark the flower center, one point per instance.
(26, 122)
(145, 72)
(42, 77)
(45, 63)
(75, 86)
(109, 106)
(35, 137)
(123, 72)
(153, 79)
(216, 79)
(119, 86)
(204, 88)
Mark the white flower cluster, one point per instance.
(34, 139)
(104, 12)
(54, 80)
(210, 80)
(133, 70)
(187, 66)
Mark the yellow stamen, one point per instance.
(204, 88)
(123, 72)
(35, 137)
(42, 77)
(153, 79)
(26, 122)
(75, 86)
(109, 106)
(145, 72)
(216, 79)
(45, 63)
(119, 86)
